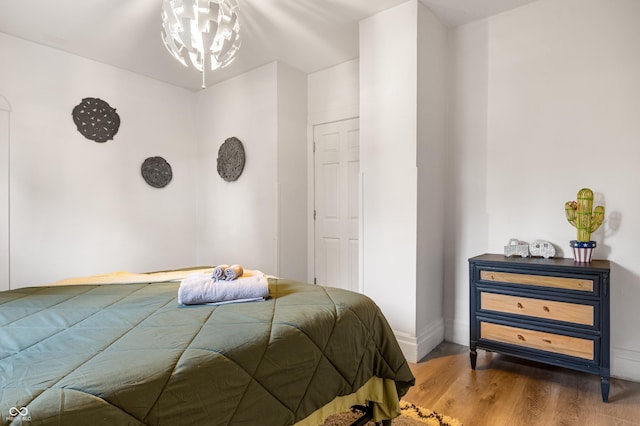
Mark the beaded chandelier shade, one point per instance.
(203, 32)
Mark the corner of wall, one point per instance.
(291, 191)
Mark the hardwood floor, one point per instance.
(509, 391)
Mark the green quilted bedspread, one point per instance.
(128, 354)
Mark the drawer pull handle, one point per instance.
(520, 305)
(546, 309)
(546, 341)
(521, 337)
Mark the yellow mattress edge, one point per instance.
(382, 392)
(124, 277)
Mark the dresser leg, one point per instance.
(474, 356)
(604, 386)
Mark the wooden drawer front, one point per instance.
(538, 280)
(539, 308)
(550, 342)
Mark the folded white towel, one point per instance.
(233, 272)
(218, 272)
(201, 288)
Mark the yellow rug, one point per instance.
(412, 415)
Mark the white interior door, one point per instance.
(336, 174)
(4, 195)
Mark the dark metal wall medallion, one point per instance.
(156, 172)
(231, 159)
(96, 120)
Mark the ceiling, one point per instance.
(309, 35)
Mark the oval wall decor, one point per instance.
(156, 172)
(96, 120)
(231, 159)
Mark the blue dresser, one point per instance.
(554, 311)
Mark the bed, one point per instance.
(119, 349)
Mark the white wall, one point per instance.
(79, 207)
(466, 223)
(334, 93)
(431, 160)
(237, 220)
(562, 93)
(258, 220)
(388, 144)
(402, 155)
(293, 215)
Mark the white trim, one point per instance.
(408, 345)
(5, 105)
(278, 227)
(625, 364)
(416, 348)
(361, 234)
(456, 331)
(311, 254)
(338, 114)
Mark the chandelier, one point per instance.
(206, 32)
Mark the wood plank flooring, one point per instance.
(507, 391)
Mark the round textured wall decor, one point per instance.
(231, 159)
(96, 120)
(156, 172)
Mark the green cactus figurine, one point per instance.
(579, 214)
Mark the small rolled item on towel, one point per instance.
(233, 272)
(218, 272)
(199, 289)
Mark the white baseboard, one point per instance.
(416, 348)
(456, 332)
(625, 364)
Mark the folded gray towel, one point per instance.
(218, 272)
(233, 272)
(201, 288)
